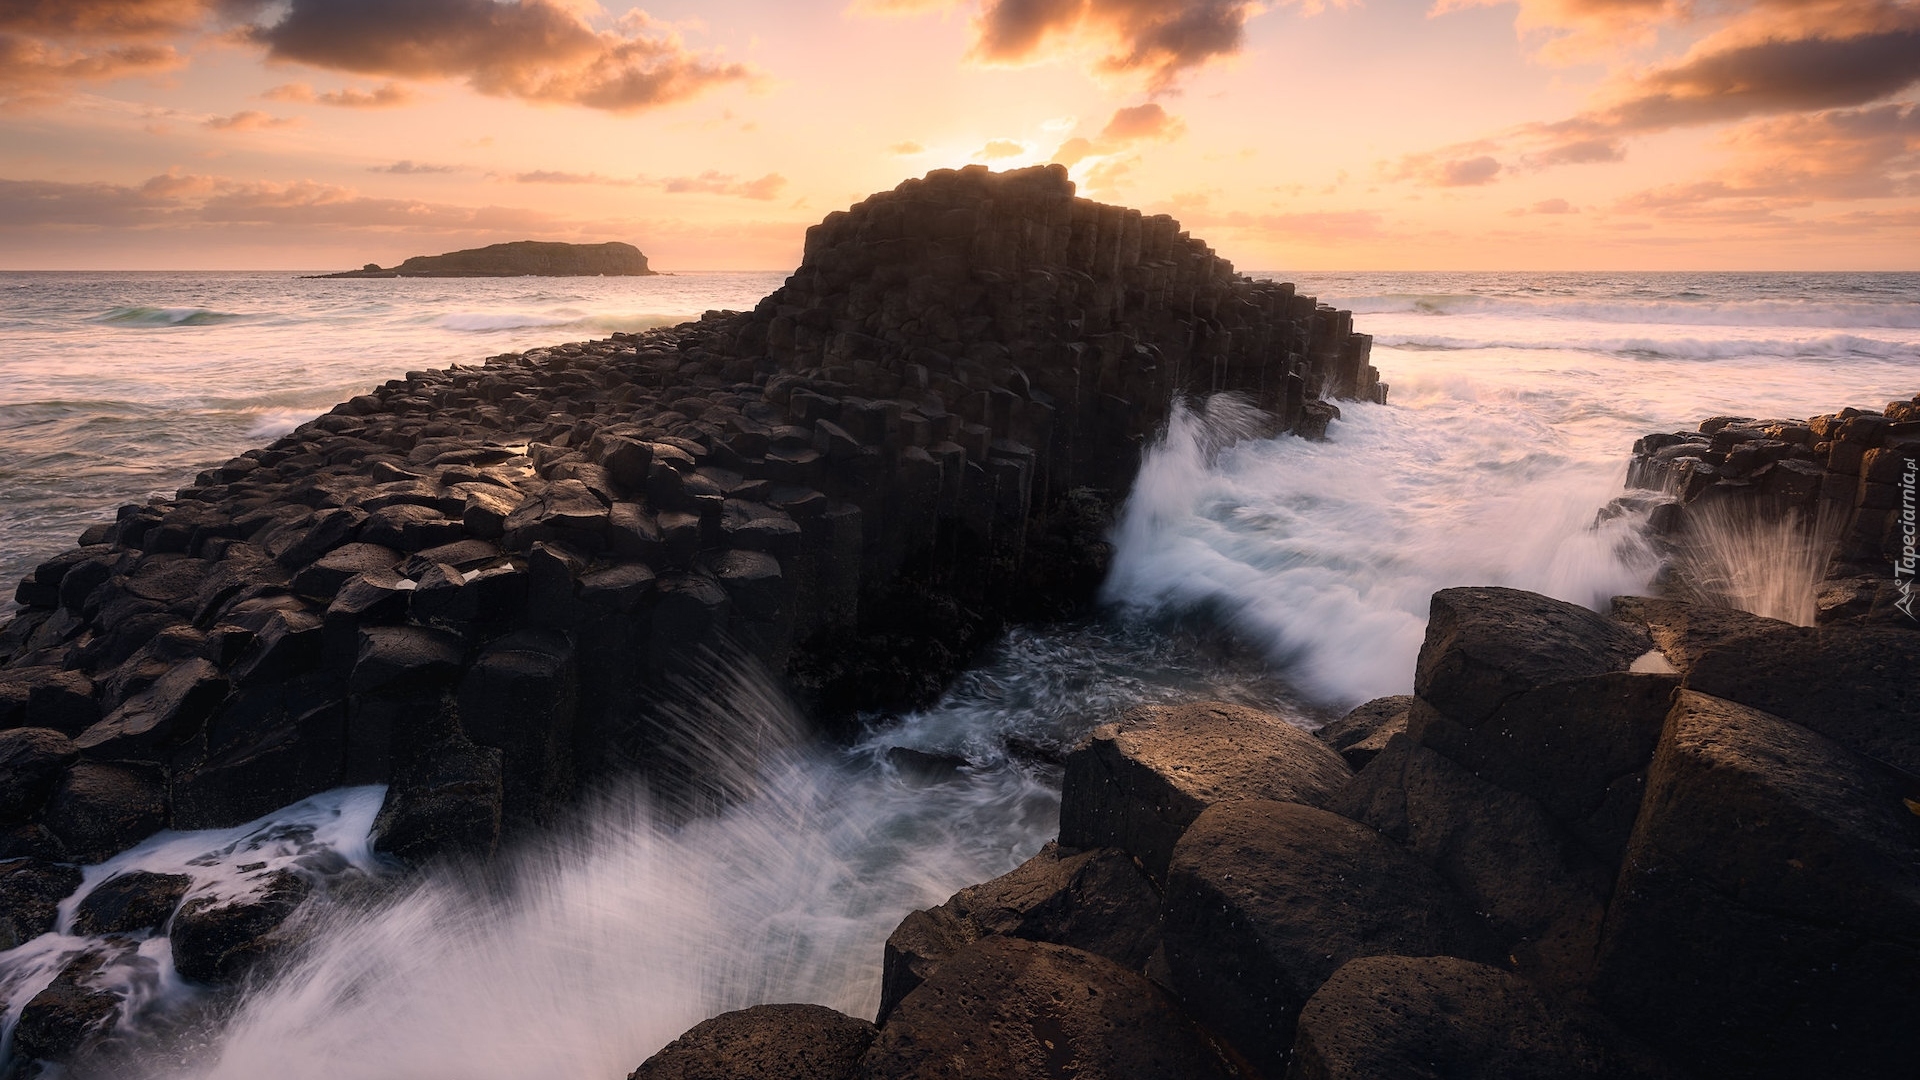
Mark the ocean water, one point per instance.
(1280, 573)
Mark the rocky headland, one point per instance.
(1676, 839)
(521, 258)
(477, 585)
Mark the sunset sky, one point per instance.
(1370, 134)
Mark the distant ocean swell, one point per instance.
(1784, 313)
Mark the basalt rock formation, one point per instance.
(1560, 864)
(521, 258)
(478, 584)
(1848, 479)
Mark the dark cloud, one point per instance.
(1772, 76)
(536, 50)
(1159, 38)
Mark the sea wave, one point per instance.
(143, 316)
(1822, 347)
(1666, 310)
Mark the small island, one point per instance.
(522, 258)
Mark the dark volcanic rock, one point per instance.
(70, 1012)
(1485, 645)
(98, 809)
(1767, 920)
(30, 895)
(1265, 900)
(1137, 783)
(1579, 748)
(1856, 685)
(1364, 732)
(1099, 901)
(1438, 1016)
(216, 938)
(447, 803)
(1023, 1010)
(766, 1042)
(131, 902)
(1543, 895)
(31, 761)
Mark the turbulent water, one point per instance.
(1514, 401)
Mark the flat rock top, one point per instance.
(1486, 644)
(1213, 751)
(765, 1042)
(1022, 1010)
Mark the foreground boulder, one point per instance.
(1485, 645)
(1265, 900)
(1440, 1016)
(1100, 901)
(1542, 895)
(1023, 1010)
(1767, 922)
(1137, 783)
(766, 1042)
(1832, 679)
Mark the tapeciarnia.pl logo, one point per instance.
(1905, 566)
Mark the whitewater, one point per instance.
(1276, 572)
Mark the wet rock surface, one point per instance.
(217, 938)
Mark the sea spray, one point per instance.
(1327, 553)
(1767, 564)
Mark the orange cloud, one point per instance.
(250, 120)
(906, 149)
(712, 182)
(385, 96)
(1000, 148)
(33, 70)
(414, 168)
(536, 50)
(1444, 169)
